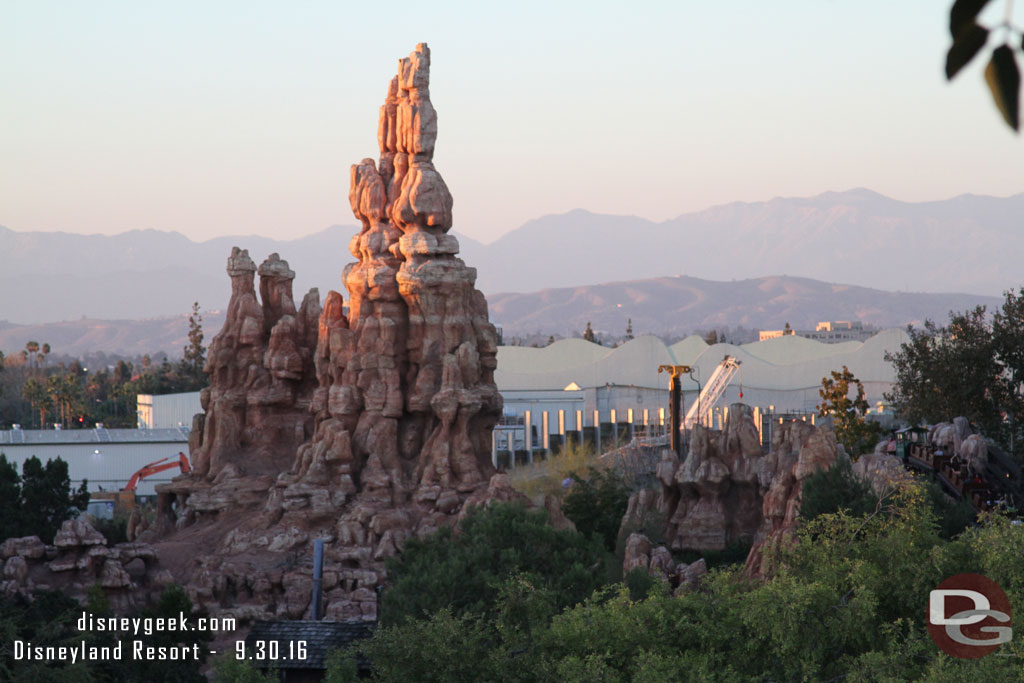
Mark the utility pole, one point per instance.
(675, 404)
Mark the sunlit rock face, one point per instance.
(406, 395)
(727, 489)
(713, 498)
(360, 424)
(261, 377)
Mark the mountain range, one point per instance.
(668, 306)
(754, 264)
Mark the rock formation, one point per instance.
(957, 438)
(361, 425)
(640, 553)
(798, 450)
(79, 559)
(261, 376)
(728, 490)
(713, 498)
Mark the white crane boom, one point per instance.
(712, 391)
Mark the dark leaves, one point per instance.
(963, 14)
(965, 47)
(1003, 80)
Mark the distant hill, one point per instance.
(965, 244)
(678, 305)
(124, 337)
(670, 306)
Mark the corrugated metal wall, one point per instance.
(111, 467)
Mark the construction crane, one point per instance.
(125, 498)
(712, 391)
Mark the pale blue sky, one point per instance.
(214, 118)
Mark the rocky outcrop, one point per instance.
(261, 379)
(727, 490)
(78, 560)
(640, 553)
(362, 424)
(713, 498)
(957, 438)
(798, 450)
(883, 471)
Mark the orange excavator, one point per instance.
(125, 498)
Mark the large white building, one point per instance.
(565, 387)
(780, 375)
(107, 458)
(167, 411)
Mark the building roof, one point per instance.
(16, 437)
(784, 363)
(321, 638)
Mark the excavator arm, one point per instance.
(156, 467)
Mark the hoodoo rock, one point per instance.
(728, 490)
(798, 450)
(713, 498)
(361, 424)
(261, 371)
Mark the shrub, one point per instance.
(596, 505)
(834, 489)
(464, 571)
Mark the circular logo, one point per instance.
(969, 616)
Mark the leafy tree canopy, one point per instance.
(973, 367)
(596, 504)
(856, 433)
(846, 604)
(464, 572)
(40, 500)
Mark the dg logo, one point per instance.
(969, 616)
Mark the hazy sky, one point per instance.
(216, 118)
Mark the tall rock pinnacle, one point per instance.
(360, 425)
(410, 373)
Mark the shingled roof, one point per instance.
(321, 638)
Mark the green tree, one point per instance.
(38, 397)
(837, 488)
(852, 429)
(47, 499)
(195, 353)
(596, 505)
(464, 572)
(1008, 341)
(964, 368)
(231, 670)
(846, 603)
(10, 499)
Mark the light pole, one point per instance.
(675, 407)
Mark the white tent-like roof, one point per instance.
(782, 364)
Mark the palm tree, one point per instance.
(35, 392)
(31, 349)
